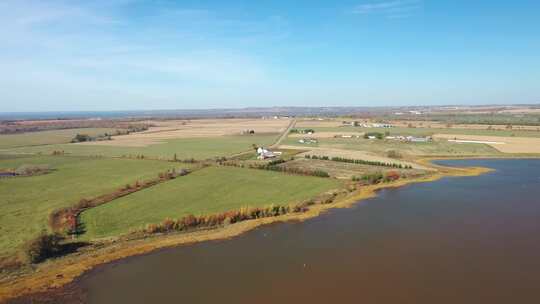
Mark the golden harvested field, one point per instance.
(503, 144)
(201, 128)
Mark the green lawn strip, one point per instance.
(27, 201)
(184, 148)
(206, 191)
(8, 141)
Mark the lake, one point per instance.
(456, 240)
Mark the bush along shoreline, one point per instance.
(377, 178)
(191, 222)
(359, 161)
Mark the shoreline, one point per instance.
(59, 272)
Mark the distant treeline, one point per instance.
(14, 127)
(359, 161)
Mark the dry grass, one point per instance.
(511, 144)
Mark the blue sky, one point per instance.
(124, 55)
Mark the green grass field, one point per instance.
(207, 191)
(47, 137)
(435, 148)
(26, 202)
(198, 148)
(431, 131)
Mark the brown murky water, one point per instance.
(457, 240)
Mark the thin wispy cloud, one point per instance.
(390, 9)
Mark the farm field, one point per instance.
(206, 191)
(47, 137)
(171, 129)
(431, 131)
(184, 148)
(503, 144)
(504, 117)
(381, 147)
(27, 201)
(344, 170)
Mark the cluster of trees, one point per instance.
(187, 160)
(108, 136)
(83, 138)
(42, 247)
(377, 177)
(302, 131)
(65, 220)
(360, 161)
(230, 217)
(377, 135)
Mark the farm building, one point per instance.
(263, 153)
(308, 141)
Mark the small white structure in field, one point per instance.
(263, 153)
(418, 139)
(308, 141)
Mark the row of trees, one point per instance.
(276, 165)
(302, 131)
(360, 161)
